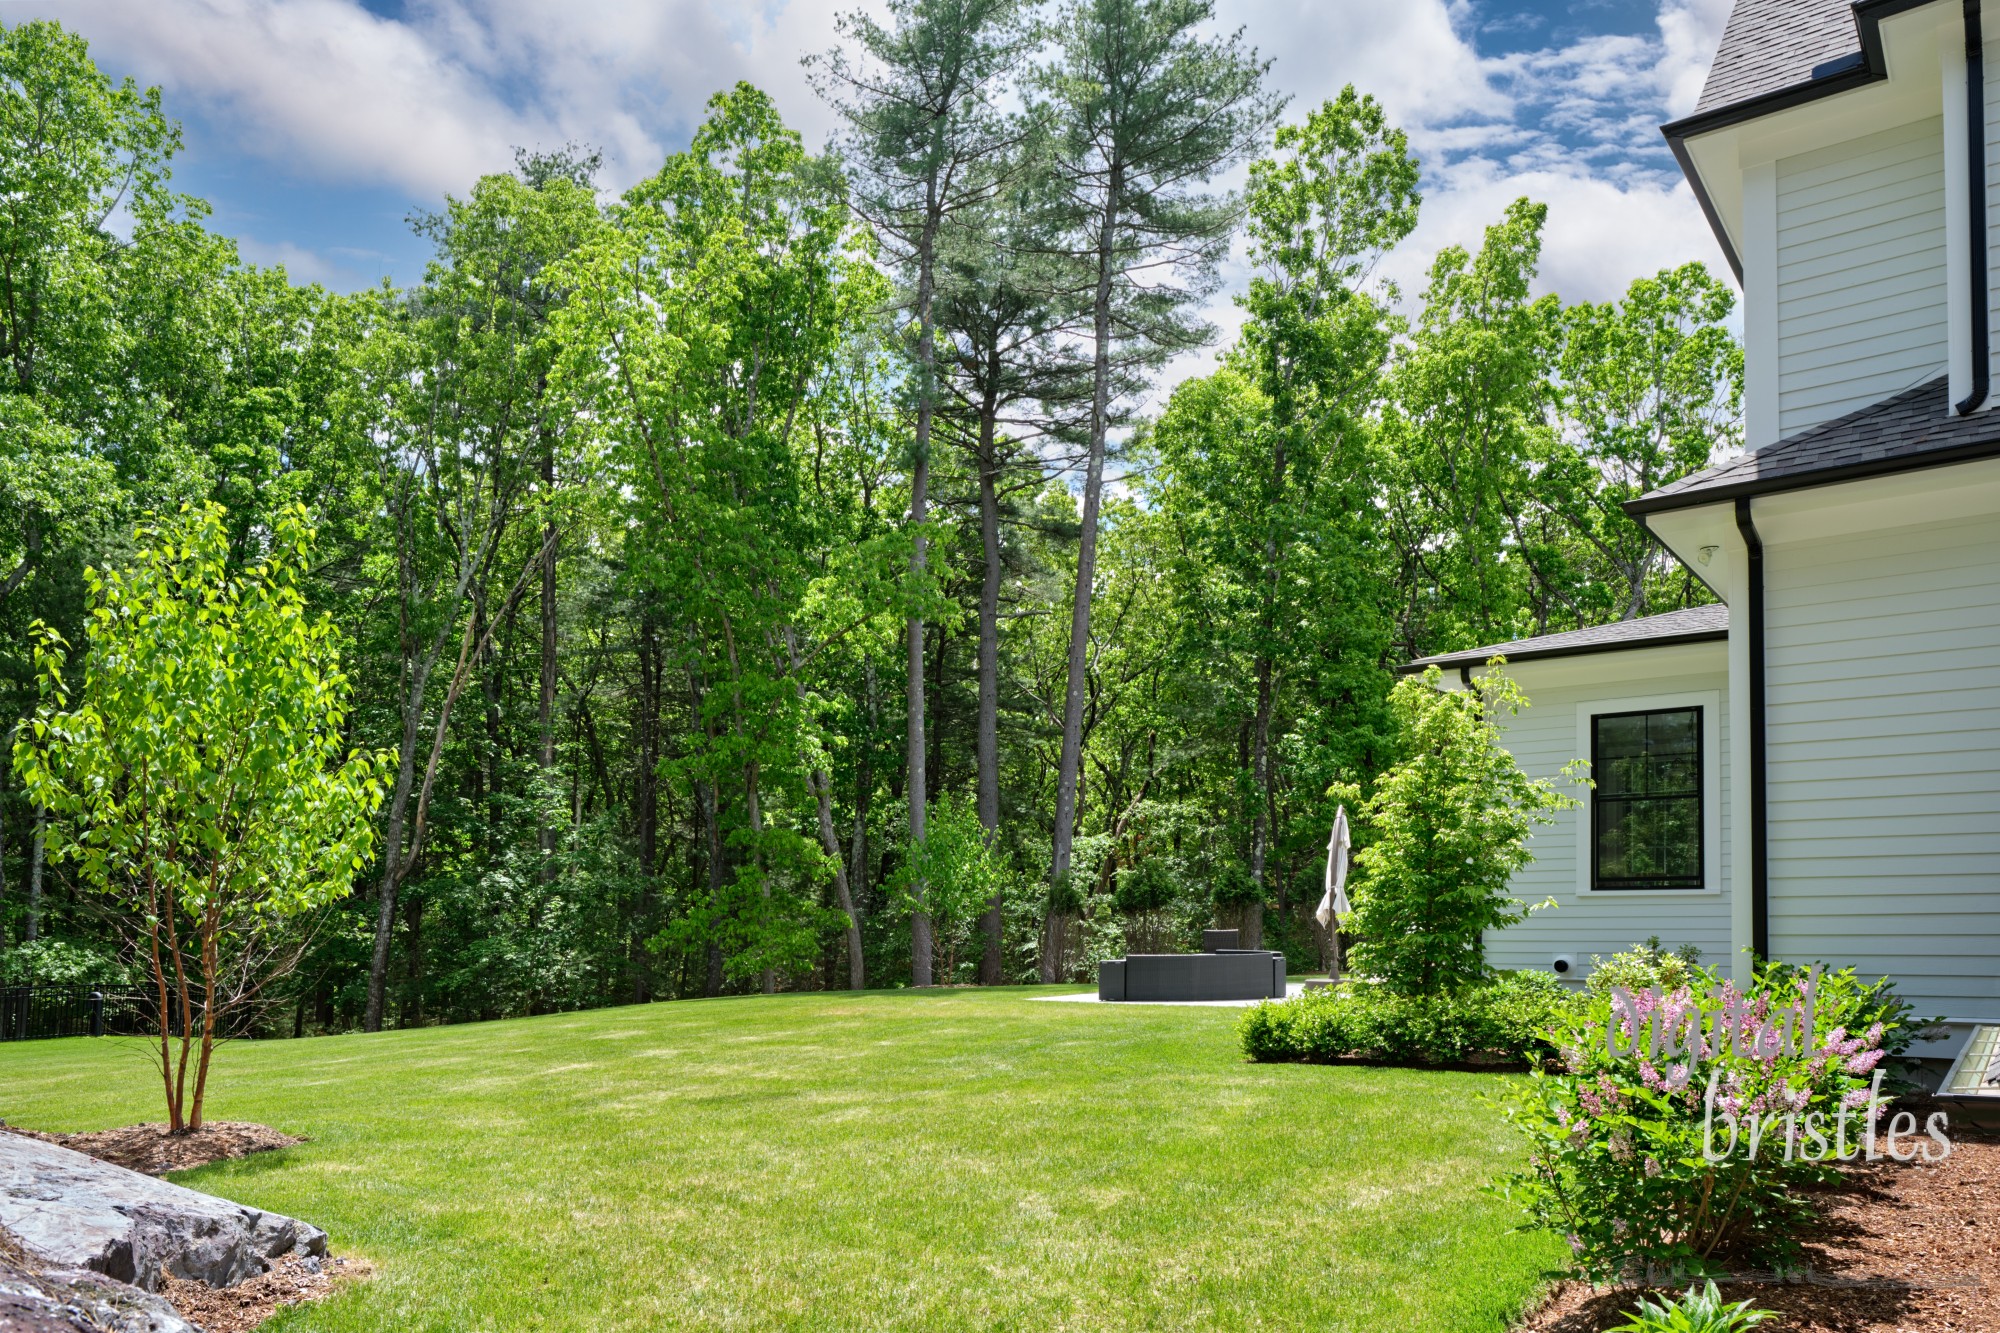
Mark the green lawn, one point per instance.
(953, 1160)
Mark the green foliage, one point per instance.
(1146, 887)
(1448, 829)
(1681, 1125)
(198, 778)
(49, 961)
(1700, 1310)
(690, 426)
(1498, 1021)
(960, 870)
(1645, 965)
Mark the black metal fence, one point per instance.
(31, 1012)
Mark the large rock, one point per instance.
(73, 1302)
(72, 1211)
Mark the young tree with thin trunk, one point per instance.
(919, 97)
(199, 776)
(1147, 111)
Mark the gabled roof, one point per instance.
(1777, 54)
(1914, 429)
(1772, 44)
(1696, 624)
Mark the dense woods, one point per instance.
(795, 571)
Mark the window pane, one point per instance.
(1647, 806)
(1648, 754)
(1649, 839)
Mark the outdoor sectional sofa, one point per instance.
(1220, 972)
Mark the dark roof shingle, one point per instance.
(1768, 45)
(1693, 625)
(1914, 429)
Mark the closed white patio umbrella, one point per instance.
(1333, 908)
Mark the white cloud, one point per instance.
(328, 90)
(426, 103)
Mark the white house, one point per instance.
(1812, 770)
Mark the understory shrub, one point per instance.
(1499, 1021)
(1681, 1124)
(59, 962)
(1644, 966)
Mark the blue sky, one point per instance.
(316, 127)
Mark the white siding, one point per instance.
(1545, 738)
(1884, 733)
(1861, 272)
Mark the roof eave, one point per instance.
(1453, 661)
(1875, 467)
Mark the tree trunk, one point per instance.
(646, 799)
(920, 919)
(34, 926)
(1260, 744)
(412, 1014)
(864, 794)
(753, 805)
(5, 768)
(392, 846)
(1086, 577)
(710, 815)
(822, 790)
(988, 742)
(1260, 826)
(211, 975)
(547, 715)
(821, 784)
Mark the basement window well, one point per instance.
(1976, 1072)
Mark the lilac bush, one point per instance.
(1678, 1125)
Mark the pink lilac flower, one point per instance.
(1861, 1064)
(1652, 1167)
(1874, 1034)
(1857, 1098)
(1678, 1075)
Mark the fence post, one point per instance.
(97, 1013)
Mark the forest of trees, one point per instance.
(794, 571)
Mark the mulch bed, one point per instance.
(151, 1149)
(1899, 1249)
(250, 1302)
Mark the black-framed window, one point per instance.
(1646, 811)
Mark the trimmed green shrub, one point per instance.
(1498, 1022)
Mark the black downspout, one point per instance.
(1975, 189)
(1760, 859)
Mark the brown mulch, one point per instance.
(1899, 1249)
(151, 1149)
(252, 1301)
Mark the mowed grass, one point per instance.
(893, 1160)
